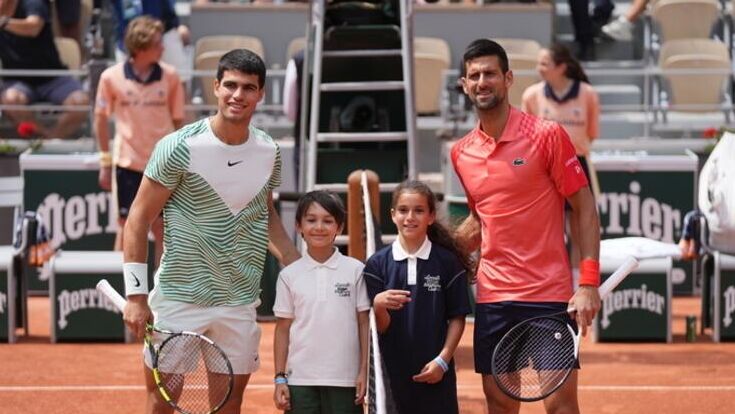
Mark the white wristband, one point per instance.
(136, 278)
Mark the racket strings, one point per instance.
(535, 358)
(194, 373)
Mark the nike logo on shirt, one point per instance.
(233, 163)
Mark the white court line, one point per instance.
(611, 388)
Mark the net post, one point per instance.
(355, 222)
(355, 211)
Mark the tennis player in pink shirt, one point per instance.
(517, 170)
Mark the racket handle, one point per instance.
(104, 287)
(630, 264)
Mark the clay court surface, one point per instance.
(677, 378)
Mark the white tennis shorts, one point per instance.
(232, 328)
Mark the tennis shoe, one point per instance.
(619, 29)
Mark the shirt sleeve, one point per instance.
(169, 162)
(37, 8)
(374, 280)
(105, 99)
(564, 167)
(456, 290)
(362, 300)
(283, 305)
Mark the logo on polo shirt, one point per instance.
(432, 283)
(342, 290)
(519, 161)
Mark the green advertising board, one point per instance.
(78, 311)
(62, 187)
(647, 195)
(7, 296)
(639, 309)
(724, 298)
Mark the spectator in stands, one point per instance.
(147, 100)
(175, 35)
(565, 96)
(621, 29)
(27, 42)
(587, 27)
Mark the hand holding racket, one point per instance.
(191, 372)
(535, 357)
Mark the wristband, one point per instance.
(136, 278)
(280, 380)
(105, 159)
(442, 363)
(589, 273)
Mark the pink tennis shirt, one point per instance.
(516, 186)
(578, 113)
(144, 111)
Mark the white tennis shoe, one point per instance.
(619, 29)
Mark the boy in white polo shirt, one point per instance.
(322, 308)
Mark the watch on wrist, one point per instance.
(281, 375)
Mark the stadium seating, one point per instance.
(522, 56)
(431, 58)
(685, 19)
(697, 92)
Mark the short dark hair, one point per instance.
(485, 47)
(242, 60)
(327, 199)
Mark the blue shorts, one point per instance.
(127, 183)
(55, 90)
(493, 320)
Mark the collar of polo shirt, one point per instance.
(399, 253)
(331, 263)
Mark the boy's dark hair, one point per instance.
(437, 232)
(327, 199)
(485, 47)
(242, 60)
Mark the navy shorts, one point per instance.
(493, 320)
(127, 182)
(56, 90)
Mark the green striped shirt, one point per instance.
(216, 220)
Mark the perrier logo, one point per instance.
(728, 297)
(3, 301)
(76, 300)
(632, 299)
(645, 216)
(78, 216)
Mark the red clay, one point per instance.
(677, 378)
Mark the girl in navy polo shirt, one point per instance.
(418, 287)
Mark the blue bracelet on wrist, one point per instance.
(280, 380)
(442, 363)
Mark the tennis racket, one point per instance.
(535, 357)
(191, 372)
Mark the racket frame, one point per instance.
(628, 266)
(119, 301)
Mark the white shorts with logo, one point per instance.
(232, 328)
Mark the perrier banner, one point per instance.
(644, 195)
(724, 295)
(63, 189)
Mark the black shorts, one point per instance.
(127, 182)
(493, 320)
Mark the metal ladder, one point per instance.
(346, 61)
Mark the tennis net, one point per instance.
(379, 400)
